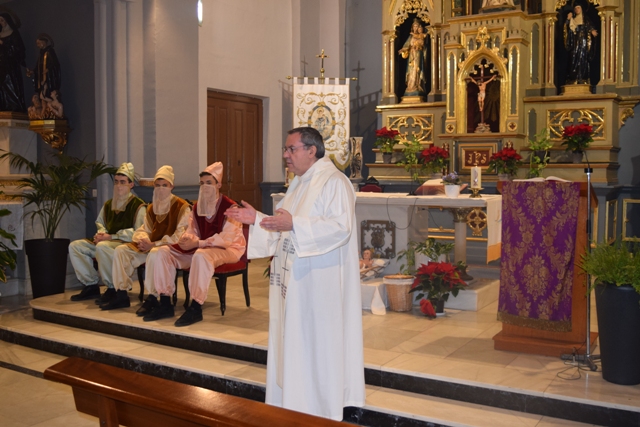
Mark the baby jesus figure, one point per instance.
(366, 262)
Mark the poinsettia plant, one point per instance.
(435, 158)
(436, 280)
(505, 161)
(387, 138)
(577, 137)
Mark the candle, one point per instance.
(476, 177)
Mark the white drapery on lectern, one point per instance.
(323, 103)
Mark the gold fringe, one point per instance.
(526, 322)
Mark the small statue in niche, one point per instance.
(47, 78)
(12, 55)
(482, 89)
(578, 40)
(415, 50)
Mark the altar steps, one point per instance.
(396, 394)
(386, 406)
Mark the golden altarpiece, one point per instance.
(510, 56)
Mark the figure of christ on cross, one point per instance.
(482, 93)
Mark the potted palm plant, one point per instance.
(7, 255)
(53, 190)
(616, 273)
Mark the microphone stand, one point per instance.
(587, 358)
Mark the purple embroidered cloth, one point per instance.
(539, 221)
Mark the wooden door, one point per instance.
(234, 137)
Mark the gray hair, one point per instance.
(310, 137)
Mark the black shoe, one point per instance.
(107, 296)
(120, 301)
(160, 312)
(189, 317)
(147, 306)
(89, 292)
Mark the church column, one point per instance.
(101, 74)
(608, 39)
(388, 67)
(436, 66)
(548, 85)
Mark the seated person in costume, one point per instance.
(165, 222)
(115, 223)
(210, 241)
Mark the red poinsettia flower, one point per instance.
(427, 308)
(438, 279)
(577, 137)
(506, 161)
(387, 133)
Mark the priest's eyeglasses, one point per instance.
(290, 149)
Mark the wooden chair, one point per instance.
(224, 271)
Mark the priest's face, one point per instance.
(299, 158)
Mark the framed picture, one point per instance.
(470, 154)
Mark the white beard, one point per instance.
(207, 200)
(121, 195)
(161, 200)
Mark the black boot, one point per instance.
(191, 316)
(120, 301)
(147, 306)
(88, 292)
(107, 296)
(163, 311)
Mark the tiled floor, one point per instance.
(457, 348)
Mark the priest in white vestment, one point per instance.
(315, 362)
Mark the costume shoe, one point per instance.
(189, 317)
(88, 292)
(120, 301)
(108, 295)
(147, 306)
(161, 312)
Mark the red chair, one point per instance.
(222, 272)
(371, 188)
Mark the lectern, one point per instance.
(551, 343)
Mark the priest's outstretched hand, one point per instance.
(281, 221)
(246, 214)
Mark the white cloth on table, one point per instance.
(315, 362)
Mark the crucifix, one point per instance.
(322, 56)
(482, 93)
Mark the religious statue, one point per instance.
(492, 3)
(35, 110)
(482, 90)
(46, 74)
(415, 49)
(578, 40)
(12, 55)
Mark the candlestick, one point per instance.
(476, 177)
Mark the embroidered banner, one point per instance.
(325, 107)
(539, 221)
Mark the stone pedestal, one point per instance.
(16, 137)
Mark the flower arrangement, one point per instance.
(387, 138)
(505, 161)
(577, 137)
(435, 158)
(451, 179)
(435, 281)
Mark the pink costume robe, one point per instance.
(220, 242)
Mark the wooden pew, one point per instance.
(120, 397)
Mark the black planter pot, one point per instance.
(438, 305)
(47, 265)
(619, 328)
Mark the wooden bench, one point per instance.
(121, 397)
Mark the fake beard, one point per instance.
(161, 200)
(121, 194)
(207, 200)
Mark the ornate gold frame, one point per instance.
(613, 218)
(625, 220)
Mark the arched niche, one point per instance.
(535, 55)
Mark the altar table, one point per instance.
(412, 224)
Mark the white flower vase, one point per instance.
(452, 191)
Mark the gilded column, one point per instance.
(388, 66)
(550, 55)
